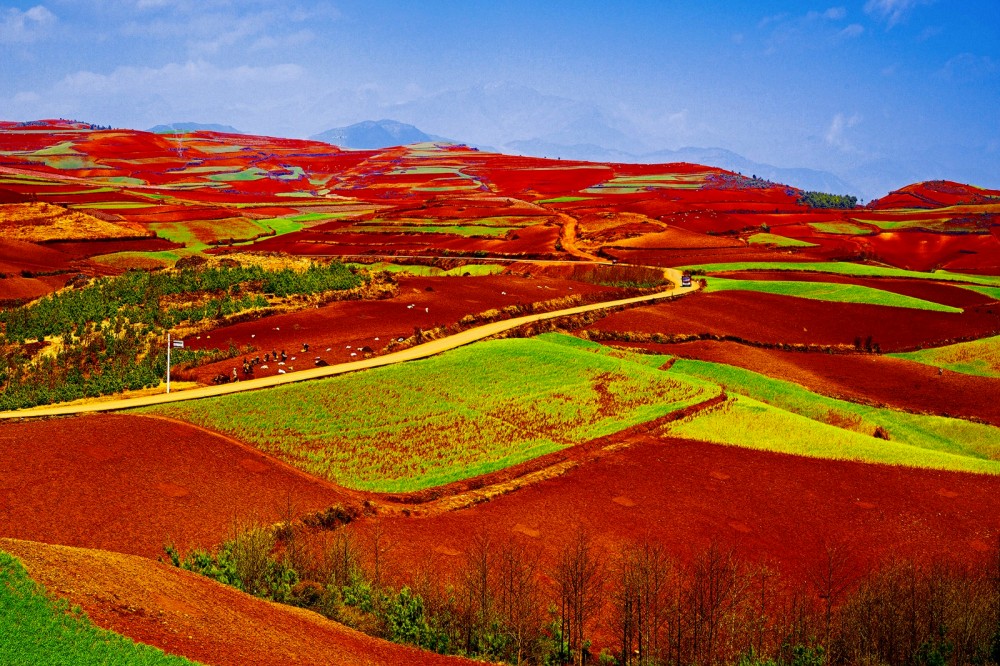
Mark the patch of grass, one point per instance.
(112, 205)
(783, 416)
(843, 268)
(778, 241)
(978, 357)
(827, 291)
(753, 424)
(845, 228)
(252, 173)
(562, 200)
(461, 414)
(38, 629)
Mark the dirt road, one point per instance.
(413, 353)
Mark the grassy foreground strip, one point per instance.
(35, 629)
(464, 413)
(977, 357)
(765, 412)
(842, 268)
(827, 291)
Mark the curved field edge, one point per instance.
(777, 415)
(843, 268)
(827, 291)
(976, 357)
(468, 412)
(38, 629)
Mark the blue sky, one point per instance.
(907, 89)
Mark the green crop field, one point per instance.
(778, 241)
(845, 228)
(461, 414)
(826, 291)
(978, 357)
(36, 629)
(767, 411)
(843, 268)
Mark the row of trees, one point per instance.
(825, 200)
(643, 606)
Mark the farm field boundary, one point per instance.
(420, 351)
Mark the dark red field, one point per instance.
(774, 319)
(131, 484)
(773, 508)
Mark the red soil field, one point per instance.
(132, 483)
(773, 319)
(936, 194)
(539, 241)
(97, 247)
(684, 257)
(684, 494)
(922, 251)
(15, 290)
(16, 256)
(436, 301)
(186, 614)
(863, 378)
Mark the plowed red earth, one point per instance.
(861, 378)
(189, 615)
(684, 494)
(337, 330)
(774, 319)
(132, 483)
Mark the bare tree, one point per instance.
(518, 600)
(579, 580)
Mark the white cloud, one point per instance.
(22, 27)
(892, 11)
(853, 30)
(969, 67)
(835, 133)
(835, 13)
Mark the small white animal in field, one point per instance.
(280, 371)
(263, 367)
(376, 338)
(354, 353)
(253, 335)
(427, 309)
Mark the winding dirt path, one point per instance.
(413, 353)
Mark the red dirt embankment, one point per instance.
(772, 507)
(132, 483)
(186, 614)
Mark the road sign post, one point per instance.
(171, 344)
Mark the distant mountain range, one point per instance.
(180, 128)
(373, 134)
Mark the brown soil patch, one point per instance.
(39, 222)
(185, 614)
(131, 483)
(624, 501)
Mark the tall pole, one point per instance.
(168, 362)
